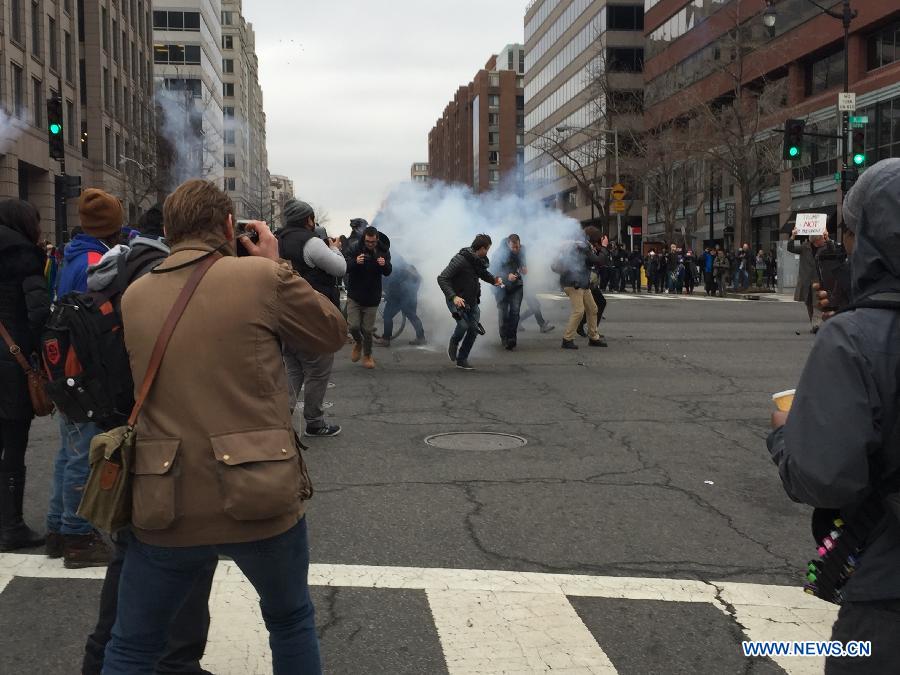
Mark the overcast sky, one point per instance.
(352, 87)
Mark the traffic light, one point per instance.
(793, 139)
(55, 128)
(858, 146)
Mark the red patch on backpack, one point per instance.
(51, 351)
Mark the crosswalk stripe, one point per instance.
(511, 612)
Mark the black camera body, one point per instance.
(241, 231)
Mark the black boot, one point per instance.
(14, 533)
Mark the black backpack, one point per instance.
(84, 356)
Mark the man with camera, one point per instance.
(838, 448)
(320, 262)
(367, 262)
(217, 468)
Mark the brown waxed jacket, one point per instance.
(216, 460)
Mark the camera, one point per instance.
(242, 231)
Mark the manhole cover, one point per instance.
(475, 441)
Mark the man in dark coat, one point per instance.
(806, 275)
(368, 260)
(511, 269)
(839, 446)
(24, 309)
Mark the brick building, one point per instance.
(479, 140)
(804, 52)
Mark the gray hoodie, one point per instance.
(837, 439)
(140, 249)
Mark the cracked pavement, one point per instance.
(645, 459)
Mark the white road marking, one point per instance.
(529, 620)
(769, 297)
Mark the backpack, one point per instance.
(84, 355)
(560, 264)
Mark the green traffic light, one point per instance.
(793, 151)
(859, 159)
(55, 128)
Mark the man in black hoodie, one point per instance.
(839, 446)
(509, 297)
(368, 260)
(459, 283)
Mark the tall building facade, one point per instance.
(419, 172)
(281, 188)
(803, 54)
(96, 55)
(187, 58)
(246, 159)
(582, 57)
(479, 140)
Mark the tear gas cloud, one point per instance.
(428, 224)
(10, 130)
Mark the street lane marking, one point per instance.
(238, 642)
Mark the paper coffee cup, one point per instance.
(784, 399)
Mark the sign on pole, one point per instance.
(846, 102)
(809, 224)
(618, 206)
(618, 192)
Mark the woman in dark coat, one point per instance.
(24, 309)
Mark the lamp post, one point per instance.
(605, 132)
(845, 16)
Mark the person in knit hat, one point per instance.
(69, 536)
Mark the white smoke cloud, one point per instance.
(428, 224)
(10, 130)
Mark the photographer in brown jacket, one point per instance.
(217, 467)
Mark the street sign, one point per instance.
(618, 206)
(618, 191)
(864, 119)
(846, 102)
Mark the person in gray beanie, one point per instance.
(838, 448)
(320, 262)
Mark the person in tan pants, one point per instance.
(575, 278)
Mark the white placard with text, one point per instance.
(809, 224)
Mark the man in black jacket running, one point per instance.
(459, 283)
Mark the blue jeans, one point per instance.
(466, 329)
(156, 579)
(70, 473)
(509, 304)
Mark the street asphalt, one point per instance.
(643, 459)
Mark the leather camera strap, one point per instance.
(14, 349)
(162, 341)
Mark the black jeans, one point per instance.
(187, 635)
(13, 443)
(876, 622)
(394, 306)
(509, 303)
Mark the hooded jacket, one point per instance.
(579, 262)
(80, 253)
(24, 309)
(838, 440)
(364, 285)
(461, 276)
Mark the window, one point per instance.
(35, 29)
(227, 42)
(116, 95)
(115, 39)
(520, 103)
(884, 46)
(106, 89)
(126, 105)
(107, 146)
(176, 54)
(104, 28)
(229, 136)
(84, 139)
(825, 73)
(18, 94)
(192, 85)
(82, 80)
(125, 59)
(37, 88)
(493, 137)
(177, 21)
(494, 176)
(625, 59)
(118, 157)
(229, 160)
(15, 13)
(227, 18)
(494, 101)
(227, 65)
(625, 17)
(228, 112)
(53, 47)
(230, 184)
(67, 46)
(69, 123)
(228, 89)
(493, 157)
(493, 119)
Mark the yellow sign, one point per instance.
(618, 192)
(618, 206)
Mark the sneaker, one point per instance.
(323, 431)
(53, 545)
(547, 327)
(357, 352)
(419, 341)
(600, 342)
(452, 349)
(569, 344)
(463, 364)
(86, 550)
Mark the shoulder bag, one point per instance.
(37, 381)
